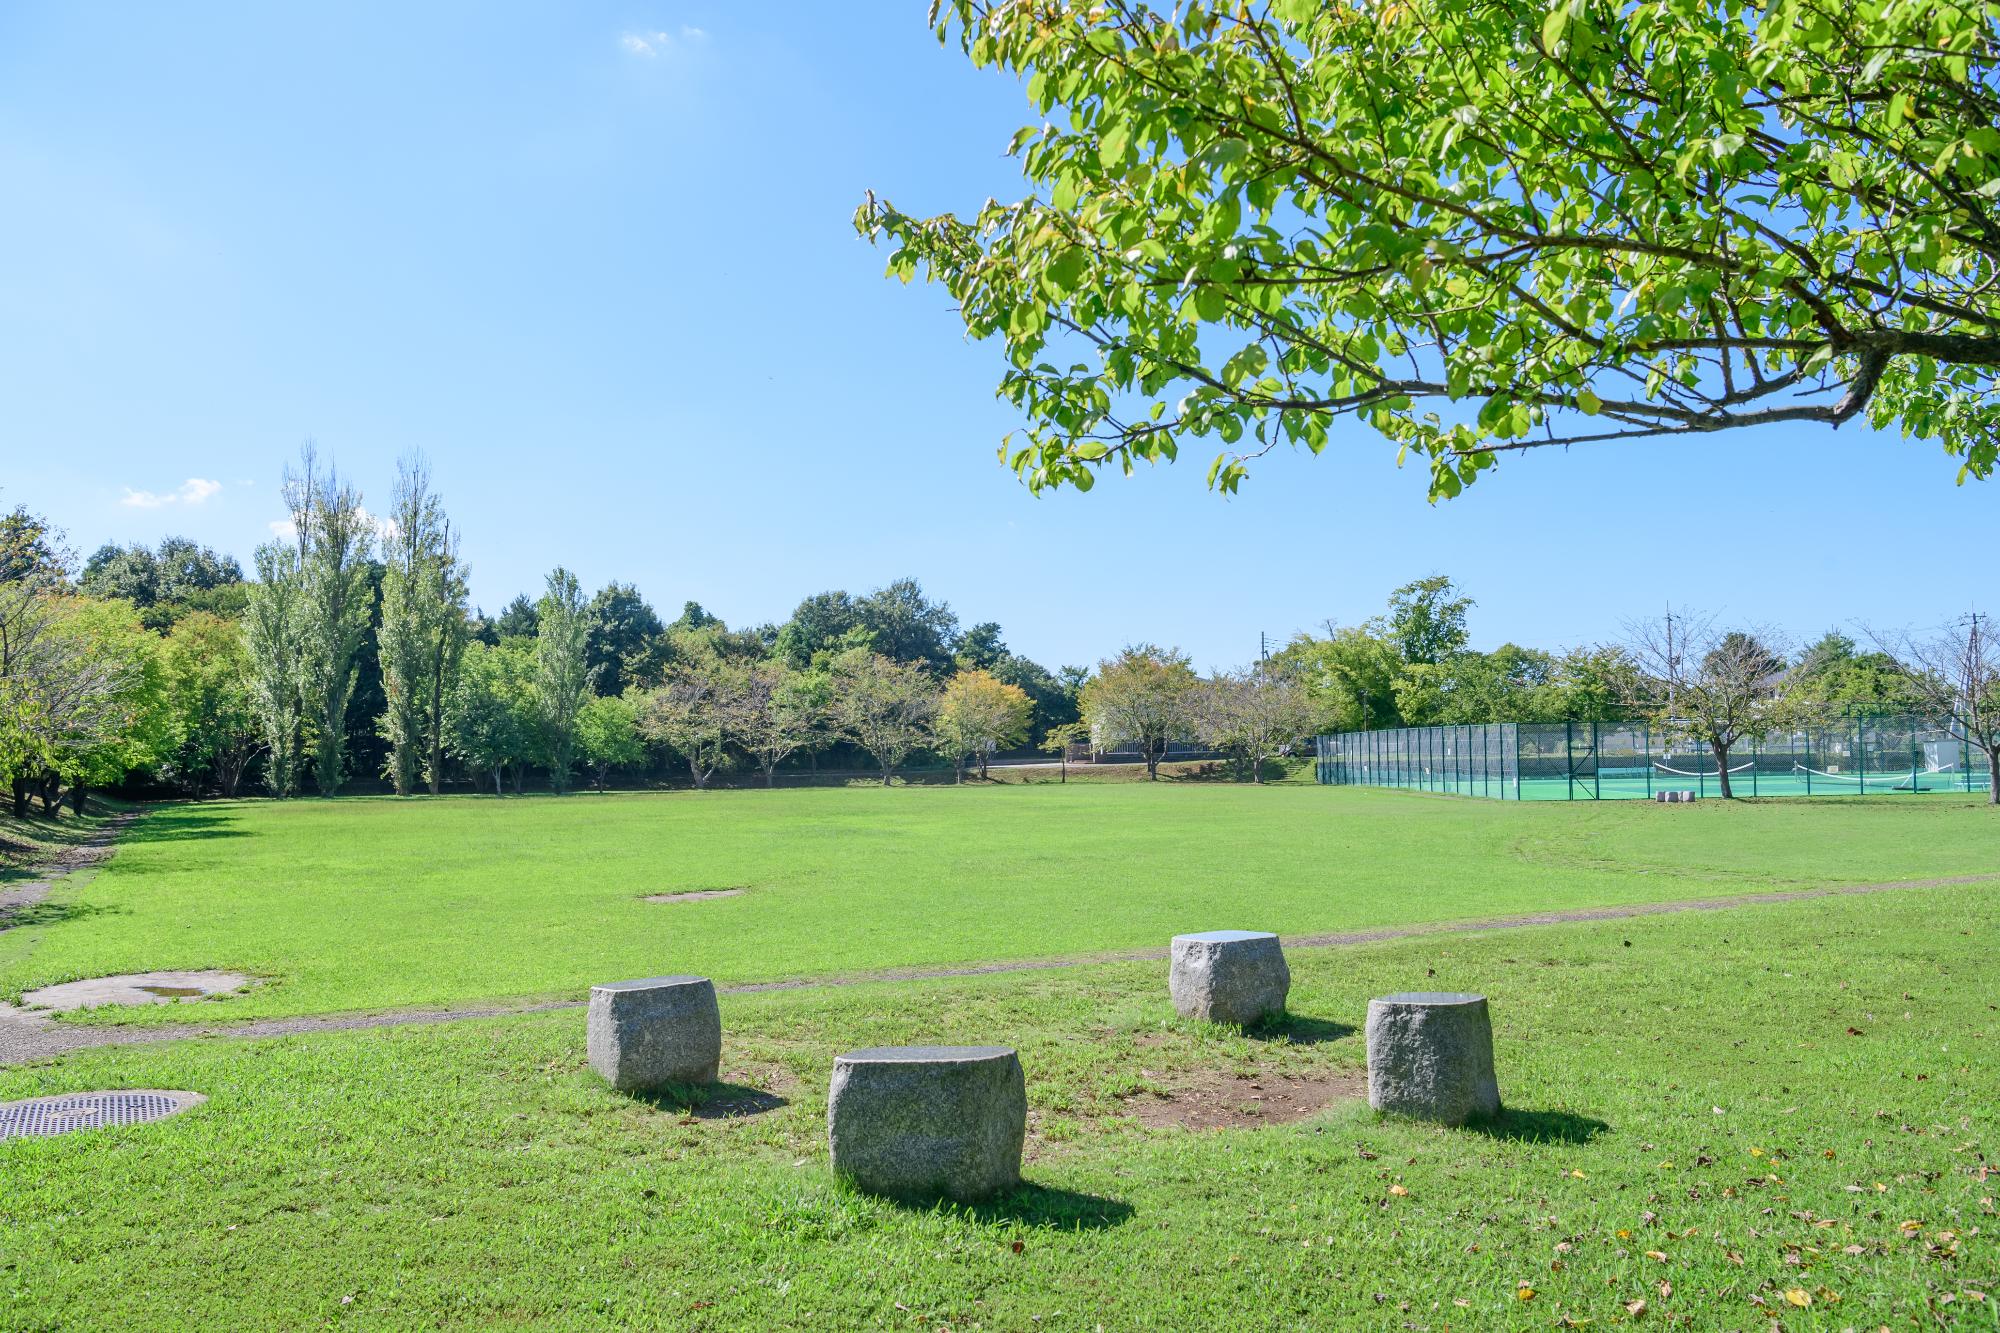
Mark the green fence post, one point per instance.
(1756, 757)
(1569, 757)
(1861, 750)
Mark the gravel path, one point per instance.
(26, 1037)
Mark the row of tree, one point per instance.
(355, 651)
(1689, 674)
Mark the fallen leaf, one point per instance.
(1636, 1308)
(1524, 1292)
(1579, 1175)
(1398, 1190)
(1798, 1296)
(1657, 1256)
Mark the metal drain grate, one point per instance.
(42, 1117)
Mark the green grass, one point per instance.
(1686, 1086)
(376, 903)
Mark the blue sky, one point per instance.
(596, 262)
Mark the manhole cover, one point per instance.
(41, 1117)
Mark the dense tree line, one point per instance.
(353, 653)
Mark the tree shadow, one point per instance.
(1299, 1030)
(180, 826)
(1518, 1126)
(710, 1101)
(51, 914)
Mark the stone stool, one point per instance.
(647, 1034)
(1229, 976)
(1430, 1055)
(928, 1121)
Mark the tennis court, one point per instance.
(1613, 761)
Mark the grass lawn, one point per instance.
(1720, 1115)
(376, 903)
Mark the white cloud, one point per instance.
(651, 44)
(193, 491)
(384, 528)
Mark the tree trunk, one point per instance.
(520, 777)
(79, 797)
(20, 798)
(1256, 769)
(1064, 762)
(887, 772)
(496, 781)
(770, 775)
(1993, 772)
(1152, 762)
(51, 796)
(435, 723)
(1722, 769)
(982, 764)
(958, 770)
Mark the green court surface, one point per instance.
(1631, 784)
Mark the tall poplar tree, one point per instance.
(424, 628)
(562, 671)
(271, 636)
(335, 538)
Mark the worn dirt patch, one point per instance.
(135, 988)
(17, 900)
(1217, 1100)
(694, 896)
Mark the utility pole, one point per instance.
(1263, 647)
(1673, 664)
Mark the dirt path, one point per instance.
(17, 898)
(25, 1037)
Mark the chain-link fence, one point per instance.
(1609, 761)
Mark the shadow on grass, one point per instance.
(711, 1101)
(1539, 1126)
(177, 825)
(50, 914)
(1028, 1205)
(1299, 1030)
(1033, 1205)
